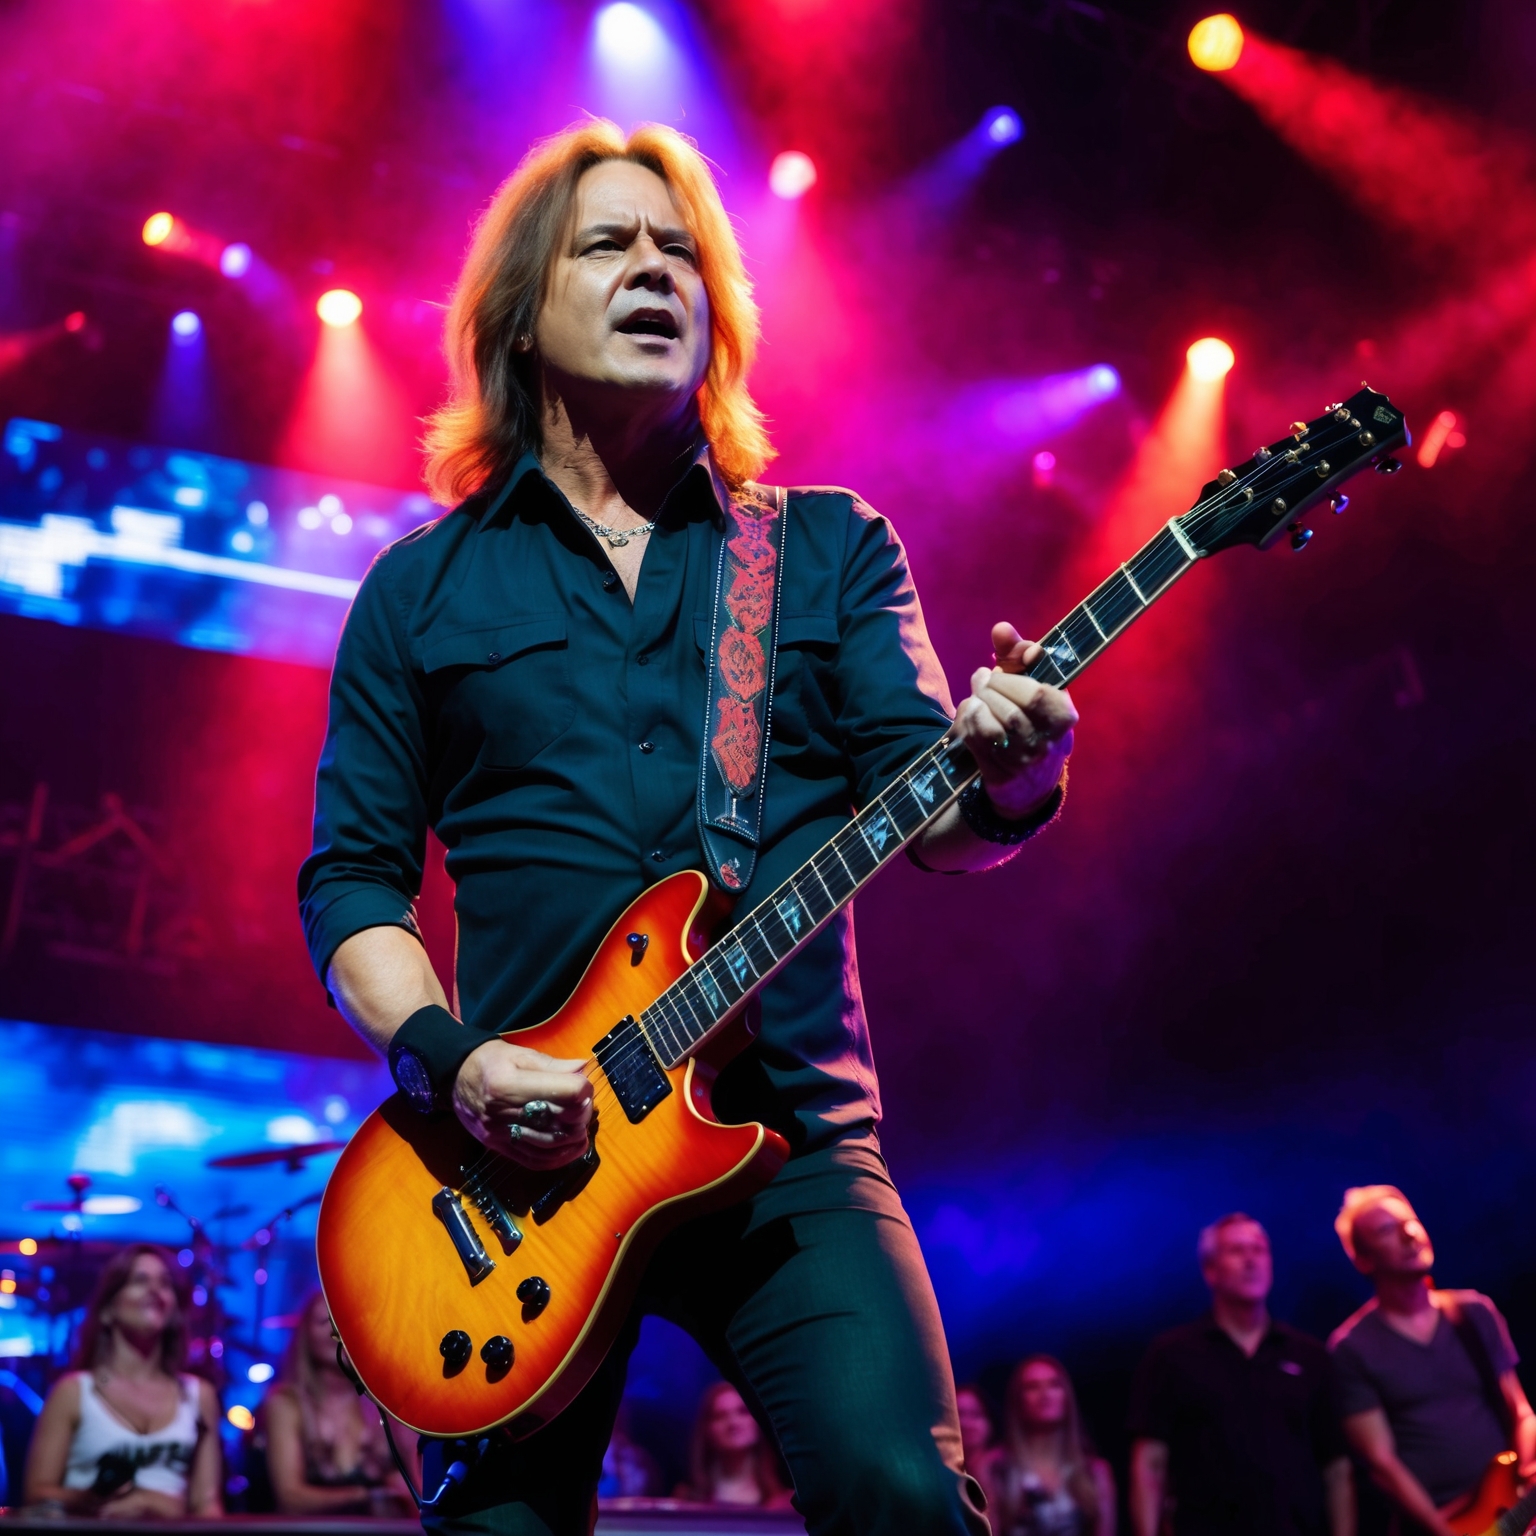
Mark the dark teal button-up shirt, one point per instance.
(495, 683)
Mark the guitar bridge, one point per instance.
(630, 1065)
(497, 1217)
(449, 1210)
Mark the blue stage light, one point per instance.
(186, 326)
(629, 37)
(1002, 125)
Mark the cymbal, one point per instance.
(294, 1156)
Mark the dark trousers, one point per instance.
(813, 1300)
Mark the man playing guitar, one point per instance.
(1426, 1378)
(527, 676)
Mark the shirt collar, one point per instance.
(702, 466)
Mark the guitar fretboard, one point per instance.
(763, 941)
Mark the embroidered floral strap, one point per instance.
(742, 644)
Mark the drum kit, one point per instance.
(51, 1278)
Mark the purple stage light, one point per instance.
(1002, 125)
(235, 259)
(186, 327)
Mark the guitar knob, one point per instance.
(1339, 503)
(497, 1354)
(534, 1295)
(1389, 466)
(1300, 538)
(455, 1350)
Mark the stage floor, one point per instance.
(626, 1517)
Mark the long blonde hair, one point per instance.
(492, 414)
(1077, 1455)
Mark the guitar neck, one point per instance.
(715, 987)
(1516, 1521)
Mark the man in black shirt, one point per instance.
(1231, 1416)
(527, 676)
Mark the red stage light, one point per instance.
(339, 307)
(1441, 434)
(1210, 359)
(1216, 43)
(158, 228)
(74, 320)
(791, 175)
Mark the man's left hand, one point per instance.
(1019, 731)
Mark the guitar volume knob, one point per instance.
(534, 1294)
(455, 1350)
(497, 1354)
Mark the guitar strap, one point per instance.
(743, 644)
(1477, 1350)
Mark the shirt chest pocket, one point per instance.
(504, 689)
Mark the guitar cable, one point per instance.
(457, 1470)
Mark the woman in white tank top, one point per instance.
(124, 1435)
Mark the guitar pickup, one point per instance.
(570, 1184)
(449, 1210)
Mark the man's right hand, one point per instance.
(498, 1082)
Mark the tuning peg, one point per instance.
(1389, 466)
(1339, 503)
(1300, 537)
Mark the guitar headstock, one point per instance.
(1264, 497)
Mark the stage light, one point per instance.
(1210, 359)
(111, 1205)
(1002, 125)
(1443, 433)
(186, 326)
(235, 259)
(629, 36)
(1103, 381)
(339, 307)
(158, 227)
(241, 1417)
(1216, 43)
(259, 1372)
(27, 1247)
(74, 321)
(791, 175)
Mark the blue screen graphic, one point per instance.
(142, 1119)
(203, 551)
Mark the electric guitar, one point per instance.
(469, 1292)
(1495, 1507)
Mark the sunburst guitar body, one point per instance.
(469, 1292)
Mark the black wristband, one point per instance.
(980, 815)
(426, 1054)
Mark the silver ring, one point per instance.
(514, 1133)
(1000, 745)
(538, 1113)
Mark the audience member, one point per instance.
(629, 1470)
(124, 1435)
(1048, 1480)
(730, 1460)
(977, 1441)
(326, 1451)
(1231, 1415)
(1426, 1378)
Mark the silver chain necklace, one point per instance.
(616, 538)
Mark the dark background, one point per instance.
(1280, 942)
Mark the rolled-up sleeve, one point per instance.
(893, 697)
(365, 865)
